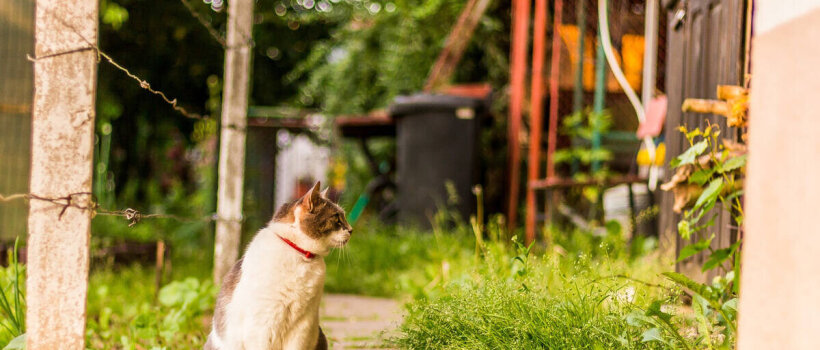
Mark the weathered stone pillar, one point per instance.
(232, 137)
(65, 74)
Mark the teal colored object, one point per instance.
(600, 96)
(358, 208)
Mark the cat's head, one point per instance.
(318, 218)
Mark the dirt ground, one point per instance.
(357, 322)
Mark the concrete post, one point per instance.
(780, 285)
(232, 137)
(65, 73)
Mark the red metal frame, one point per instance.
(554, 72)
(535, 132)
(518, 71)
(536, 111)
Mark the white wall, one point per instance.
(780, 280)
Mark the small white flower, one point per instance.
(626, 295)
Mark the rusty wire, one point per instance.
(133, 216)
(211, 30)
(100, 55)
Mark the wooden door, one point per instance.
(705, 49)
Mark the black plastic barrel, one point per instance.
(436, 145)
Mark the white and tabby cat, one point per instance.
(270, 298)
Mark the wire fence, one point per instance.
(16, 86)
(16, 91)
(578, 59)
(85, 201)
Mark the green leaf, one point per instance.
(692, 134)
(562, 156)
(638, 319)
(683, 229)
(652, 334)
(730, 306)
(689, 156)
(695, 248)
(699, 288)
(733, 163)
(716, 258)
(655, 310)
(600, 154)
(18, 343)
(701, 176)
(710, 194)
(700, 308)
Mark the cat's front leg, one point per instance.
(254, 338)
(243, 335)
(304, 335)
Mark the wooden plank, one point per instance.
(555, 182)
(65, 73)
(675, 61)
(232, 136)
(704, 51)
(447, 61)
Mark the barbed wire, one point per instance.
(89, 204)
(100, 55)
(211, 30)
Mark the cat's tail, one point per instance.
(320, 345)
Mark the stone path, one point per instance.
(357, 322)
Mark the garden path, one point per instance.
(359, 322)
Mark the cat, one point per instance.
(270, 298)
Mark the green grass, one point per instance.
(574, 293)
(548, 301)
(394, 261)
(460, 294)
(124, 314)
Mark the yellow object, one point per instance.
(660, 155)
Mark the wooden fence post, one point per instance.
(65, 73)
(232, 136)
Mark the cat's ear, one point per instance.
(324, 192)
(311, 198)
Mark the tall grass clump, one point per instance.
(579, 292)
(12, 302)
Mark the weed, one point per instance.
(12, 302)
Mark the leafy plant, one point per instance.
(585, 128)
(709, 172)
(166, 325)
(12, 302)
(713, 170)
(377, 51)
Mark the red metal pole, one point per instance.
(536, 111)
(554, 72)
(518, 71)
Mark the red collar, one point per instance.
(305, 253)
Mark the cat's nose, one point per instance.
(350, 231)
